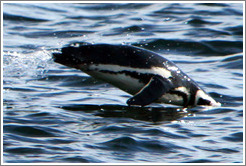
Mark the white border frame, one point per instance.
(2, 2)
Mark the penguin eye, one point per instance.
(202, 101)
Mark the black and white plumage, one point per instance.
(140, 72)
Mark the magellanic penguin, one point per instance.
(144, 74)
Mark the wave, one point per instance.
(12, 17)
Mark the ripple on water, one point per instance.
(48, 113)
(19, 18)
(235, 137)
(220, 150)
(130, 144)
(31, 131)
(25, 150)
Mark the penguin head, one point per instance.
(69, 56)
(204, 99)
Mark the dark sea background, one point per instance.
(55, 114)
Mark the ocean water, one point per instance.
(55, 114)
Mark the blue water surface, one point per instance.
(55, 114)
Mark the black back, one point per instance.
(123, 55)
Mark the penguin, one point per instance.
(149, 77)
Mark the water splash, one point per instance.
(18, 65)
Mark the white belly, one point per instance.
(122, 81)
(171, 99)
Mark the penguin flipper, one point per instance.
(152, 91)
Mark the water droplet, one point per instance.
(167, 19)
